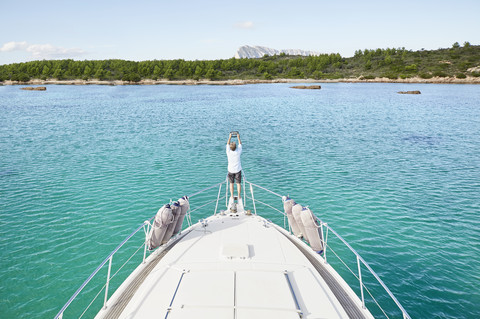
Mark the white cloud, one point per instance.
(244, 25)
(14, 46)
(42, 51)
(50, 51)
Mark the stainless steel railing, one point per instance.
(145, 226)
(359, 259)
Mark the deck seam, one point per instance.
(115, 310)
(345, 301)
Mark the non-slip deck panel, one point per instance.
(347, 303)
(116, 309)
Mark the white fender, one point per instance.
(185, 206)
(171, 227)
(287, 206)
(296, 212)
(312, 229)
(162, 219)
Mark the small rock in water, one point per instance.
(310, 87)
(409, 92)
(31, 88)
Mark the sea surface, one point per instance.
(398, 176)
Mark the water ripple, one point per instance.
(81, 167)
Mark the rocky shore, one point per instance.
(436, 80)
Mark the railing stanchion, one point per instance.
(244, 192)
(148, 224)
(145, 248)
(325, 248)
(226, 192)
(253, 199)
(108, 281)
(218, 196)
(361, 283)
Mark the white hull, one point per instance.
(231, 267)
(236, 264)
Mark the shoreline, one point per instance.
(434, 80)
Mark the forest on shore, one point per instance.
(458, 61)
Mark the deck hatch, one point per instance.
(235, 251)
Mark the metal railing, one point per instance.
(360, 261)
(145, 226)
(359, 258)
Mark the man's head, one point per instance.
(233, 146)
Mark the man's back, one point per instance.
(234, 162)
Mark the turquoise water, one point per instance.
(397, 175)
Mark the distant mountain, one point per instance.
(255, 51)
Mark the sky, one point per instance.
(206, 30)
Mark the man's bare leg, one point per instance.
(231, 190)
(239, 190)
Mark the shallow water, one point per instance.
(398, 176)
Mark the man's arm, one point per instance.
(229, 138)
(238, 136)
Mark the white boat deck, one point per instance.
(235, 267)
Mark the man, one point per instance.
(234, 165)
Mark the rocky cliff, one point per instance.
(248, 51)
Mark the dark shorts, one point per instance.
(236, 176)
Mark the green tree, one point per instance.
(46, 71)
(87, 72)
(58, 74)
(168, 74)
(211, 74)
(388, 59)
(156, 72)
(368, 65)
(99, 74)
(135, 77)
(318, 75)
(131, 77)
(21, 77)
(411, 68)
(198, 72)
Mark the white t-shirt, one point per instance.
(234, 163)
